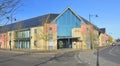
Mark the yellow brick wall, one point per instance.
(76, 32)
(12, 39)
(42, 44)
(36, 37)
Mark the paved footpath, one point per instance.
(65, 57)
(90, 58)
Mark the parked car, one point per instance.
(113, 44)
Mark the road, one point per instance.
(111, 54)
(108, 57)
(29, 59)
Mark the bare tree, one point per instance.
(45, 34)
(93, 33)
(90, 36)
(7, 9)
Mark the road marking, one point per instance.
(110, 52)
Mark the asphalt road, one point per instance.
(72, 58)
(27, 59)
(111, 54)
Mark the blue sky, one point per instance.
(107, 10)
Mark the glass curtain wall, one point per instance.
(23, 39)
(22, 44)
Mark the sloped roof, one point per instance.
(84, 21)
(87, 22)
(32, 22)
(38, 21)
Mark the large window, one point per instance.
(66, 22)
(23, 34)
(22, 44)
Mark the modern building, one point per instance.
(51, 32)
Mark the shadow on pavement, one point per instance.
(6, 60)
(57, 57)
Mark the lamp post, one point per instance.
(97, 63)
(91, 16)
(97, 48)
(91, 37)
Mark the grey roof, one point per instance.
(36, 21)
(32, 22)
(102, 30)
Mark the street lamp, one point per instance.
(92, 16)
(97, 48)
(91, 35)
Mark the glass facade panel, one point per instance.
(23, 34)
(22, 44)
(66, 22)
(28, 44)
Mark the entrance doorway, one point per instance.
(65, 42)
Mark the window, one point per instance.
(23, 35)
(50, 37)
(87, 29)
(19, 34)
(35, 43)
(27, 34)
(10, 34)
(35, 31)
(50, 28)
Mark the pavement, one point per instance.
(37, 51)
(62, 57)
(90, 58)
(66, 57)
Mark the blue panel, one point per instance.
(66, 22)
